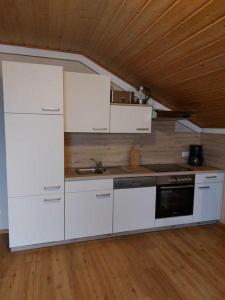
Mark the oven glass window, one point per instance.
(174, 202)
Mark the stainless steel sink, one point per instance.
(89, 171)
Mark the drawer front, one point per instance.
(36, 219)
(88, 185)
(209, 177)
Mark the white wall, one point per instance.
(3, 192)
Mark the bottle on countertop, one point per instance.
(135, 156)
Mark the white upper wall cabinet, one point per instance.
(86, 102)
(34, 154)
(130, 119)
(32, 88)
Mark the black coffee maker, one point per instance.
(195, 155)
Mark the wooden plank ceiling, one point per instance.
(175, 47)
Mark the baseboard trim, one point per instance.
(107, 236)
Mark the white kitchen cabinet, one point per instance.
(34, 154)
(209, 177)
(88, 213)
(86, 102)
(36, 219)
(208, 201)
(32, 88)
(130, 119)
(134, 209)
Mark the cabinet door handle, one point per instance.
(103, 195)
(50, 109)
(211, 177)
(142, 129)
(54, 187)
(100, 129)
(204, 187)
(51, 200)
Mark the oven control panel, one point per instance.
(176, 179)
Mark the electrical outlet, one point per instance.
(184, 154)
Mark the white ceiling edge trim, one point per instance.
(65, 56)
(214, 130)
(18, 50)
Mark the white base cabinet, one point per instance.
(134, 209)
(208, 201)
(36, 219)
(88, 213)
(208, 197)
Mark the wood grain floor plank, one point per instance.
(178, 264)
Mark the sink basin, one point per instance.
(88, 171)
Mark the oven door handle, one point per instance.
(176, 187)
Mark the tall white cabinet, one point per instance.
(33, 106)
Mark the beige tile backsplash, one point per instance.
(163, 145)
(214, 149)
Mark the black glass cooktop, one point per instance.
(167, 168)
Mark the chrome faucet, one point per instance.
(99, 167)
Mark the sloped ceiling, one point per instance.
(175, 47)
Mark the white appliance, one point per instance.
(134, 203)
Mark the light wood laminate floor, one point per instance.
(187, 263)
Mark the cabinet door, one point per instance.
(208, 201)
(34, 154)
(134, 209)
(88, 213)
(36, 219)
(87, 102)
(32, 88)
(130, 119)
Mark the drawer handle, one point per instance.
(52, 200)
(54, 187)
(211, 176)
(50, 109)
(142, 129)
(99, 129)
(103, 195)
(204, 187)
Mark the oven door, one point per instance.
(174, 201)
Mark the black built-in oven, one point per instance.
(174, 196)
